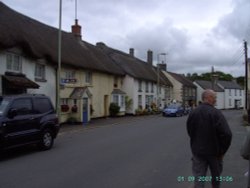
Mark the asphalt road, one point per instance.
(132, 152)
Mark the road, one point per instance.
(150, 151)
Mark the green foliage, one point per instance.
(114, 109)
(208, 75)
(241, 80)
(128, 102)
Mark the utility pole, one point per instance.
(158, 78)
(246, 76)
(58, 107)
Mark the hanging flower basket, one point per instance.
(64, 108)
(74, 109)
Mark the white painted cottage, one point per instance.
(230, 95)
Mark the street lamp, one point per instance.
(158, 76)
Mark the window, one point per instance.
(75, 102)
(23, 106)
(115, 81)
(64, 101)
(139, 101)
(149, 100)
(230, 102)
(140, 86)
(42, 106)
(122, 101)
(70, 74)
(235, 92)
(152, 87)
(14, 63)
(116, 99)
(88, 77)
(119, 99)
(40, 71)
(146, 87)
(230, 92)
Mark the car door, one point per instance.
(18, 129)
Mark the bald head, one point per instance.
(209, 96)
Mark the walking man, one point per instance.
(210, 138)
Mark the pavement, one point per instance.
(99, 122)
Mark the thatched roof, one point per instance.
(39, 40)
(183, 80)
(133, 66)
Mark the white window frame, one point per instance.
(146, 86)
(152, 87)
(88, 77)
(139, 85)
(119, 99)
(40, 70)
(70, 74)
(116, 99)
(13, 62)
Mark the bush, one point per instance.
(114, 109)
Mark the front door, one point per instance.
(106, 105)
(85, 110)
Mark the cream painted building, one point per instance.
(184, 91)
(90, 92)
(177, 87)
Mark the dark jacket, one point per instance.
(208, 131)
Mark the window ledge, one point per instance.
(40, 80)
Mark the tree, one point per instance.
(208, 76)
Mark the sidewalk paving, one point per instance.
(97, 122)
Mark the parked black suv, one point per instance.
(27, 119)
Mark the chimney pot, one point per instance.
(76, 29)
(150, 57)
(131, 52)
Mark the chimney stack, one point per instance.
(150, 57)
(131, 52)
(76, 29)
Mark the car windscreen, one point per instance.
(3, 105)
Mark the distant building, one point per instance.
(230, 95)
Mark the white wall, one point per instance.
(177, 87)
(28, 68)
(231, 97)
(199, 91)
(220, 100)
(129, 87)
(220, 97)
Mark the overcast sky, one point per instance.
(195, 34)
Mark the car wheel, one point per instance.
(47, 140)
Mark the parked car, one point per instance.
(173, 110)
(27, 119)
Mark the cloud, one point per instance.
(195, 35)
